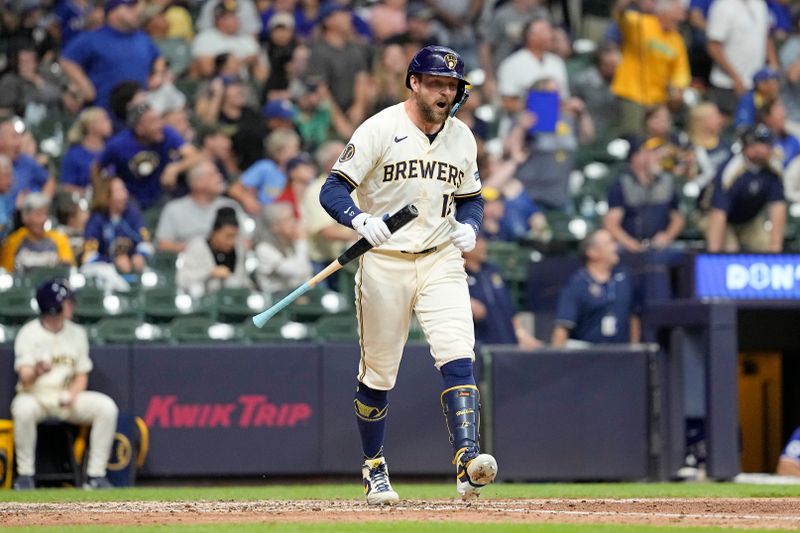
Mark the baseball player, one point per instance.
(51, 356)
(415, 152)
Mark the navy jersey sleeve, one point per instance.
(567, 310)
(335, 198)
(775, 192)
(615, 198)
(470, 211)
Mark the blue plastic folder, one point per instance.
(545, 105)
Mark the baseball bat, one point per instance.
(394, 223)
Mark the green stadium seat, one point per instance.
(200, 329)
(36, 276)
(337, 328)
(124, 330)
(164, 262)
(232, 305)
(93, 304)
(18, 305)
(319, 302)
(7, 334)
(162, 304)
(278, 329)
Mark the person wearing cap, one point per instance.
(224, 37)
(493, 311)
(279, 114)
(266, 179)
(746, 192)
(643, 202)
(739, 43)
(282, 47)
(766, 89)
(147, 155)
(33, 246)
(246, 11)
(51, 358)
(341, 62)
(96, 61)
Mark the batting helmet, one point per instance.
(51, 296)
(439, 61)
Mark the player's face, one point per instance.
(434, 96)
(68, 309)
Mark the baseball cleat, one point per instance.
(377, 487)
(474, 474)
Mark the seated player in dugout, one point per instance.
(415, 152)
(598, 304)
(51, 357)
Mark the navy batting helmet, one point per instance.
(439, 61)
(51, 296)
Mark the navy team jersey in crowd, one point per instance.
(742, 193)
(489, 288)
(646, 208)
(76, 167)
(109, 57)
(585, 304)
(140, 166)
(107, 238)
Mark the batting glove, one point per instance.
(463, 235)
(372, 228)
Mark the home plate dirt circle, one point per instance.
(772, 513)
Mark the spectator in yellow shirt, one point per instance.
(32, 246)
(655, 66)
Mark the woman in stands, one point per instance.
(210, 263)
(86, 138)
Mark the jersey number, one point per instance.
(447, 204)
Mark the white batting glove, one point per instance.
(463, 235)
(372, 228)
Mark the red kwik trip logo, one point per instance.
(250, 411)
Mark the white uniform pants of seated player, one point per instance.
(89, 407)
(392, 285)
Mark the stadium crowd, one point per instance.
(130, 129)
(200, 132)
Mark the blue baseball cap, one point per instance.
(766, 73)
(113, 4)
(331, 8)
(279, 109)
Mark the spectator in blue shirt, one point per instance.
(116, 232)
(492, 310)
(148, 156)
(6, 200)
(643, 202)
(766, 88)
(29, 176)
(87, 138)
(265, 180)
(747, 191)
(598, 304)
(97, 61)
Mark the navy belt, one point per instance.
(422, 252)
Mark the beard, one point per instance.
(431, 113)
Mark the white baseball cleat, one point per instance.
(377, 487)
(474, 474)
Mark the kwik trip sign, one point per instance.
(751, 277)
(246, 411)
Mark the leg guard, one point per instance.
(371, 407)
(461, 406)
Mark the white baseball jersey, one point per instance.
(67, 351)
(391, 163)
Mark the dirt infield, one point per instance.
(774, 513)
